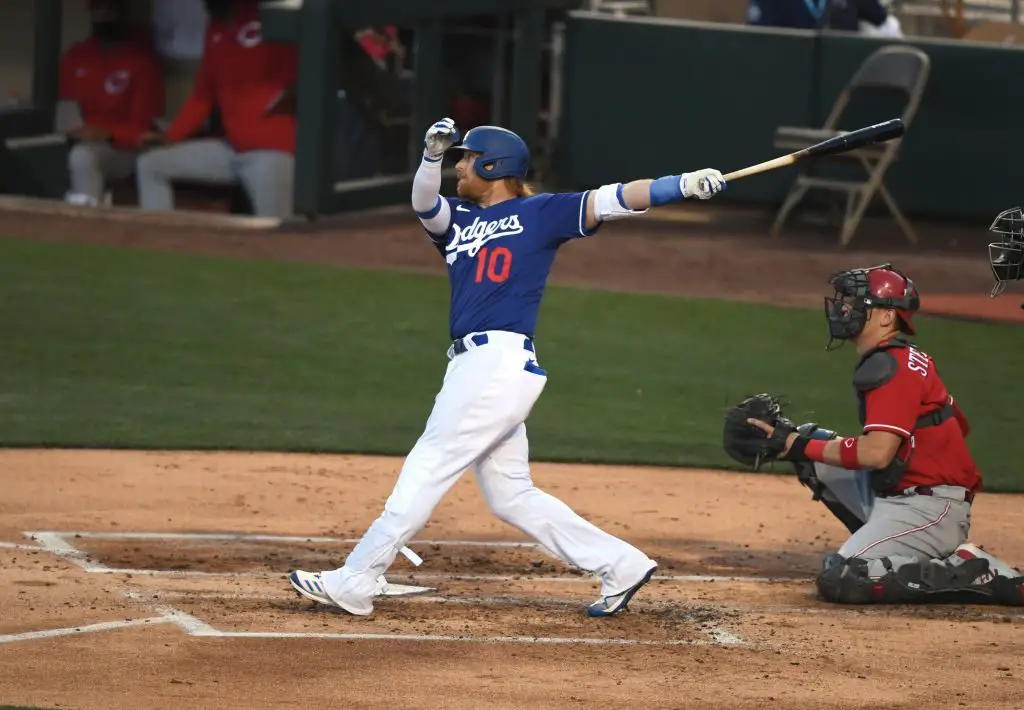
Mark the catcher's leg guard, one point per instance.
(931, 582)
(844, 514)
(845, 581)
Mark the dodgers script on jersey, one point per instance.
(499, 258)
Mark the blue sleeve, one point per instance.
(565, 214)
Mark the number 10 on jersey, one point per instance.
(494, 264)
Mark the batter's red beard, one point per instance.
(465, 191)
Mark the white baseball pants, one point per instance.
(478, 422)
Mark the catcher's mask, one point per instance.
(857, 290)
(1007, 256)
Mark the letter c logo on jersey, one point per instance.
(249, 35)
(117, 82)
(470, 238)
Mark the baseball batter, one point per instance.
(499, 241)
(904, 487)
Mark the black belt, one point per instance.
(922, 491)
(459, 344)
(935, 418)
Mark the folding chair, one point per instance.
(894, 67)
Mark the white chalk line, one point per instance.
(188, 623)
(56, 543)
(247, 537)
(467, 639)
(431, 577)
(84, 629)
(717, 634)
(19, 546)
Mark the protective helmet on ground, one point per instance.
(1007, 256)
(501, 152)
(857, 290)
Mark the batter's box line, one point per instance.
(57, 543)
(200, 629)
(258, 537)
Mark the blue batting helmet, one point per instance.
(502, 153)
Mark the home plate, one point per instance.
(401, 590)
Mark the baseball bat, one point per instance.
(878, 133)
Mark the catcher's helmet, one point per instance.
(857, 290)
(1007, 256)
(501, 152)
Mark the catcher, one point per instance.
(904, 487)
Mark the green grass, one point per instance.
(122, 348)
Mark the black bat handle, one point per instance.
(878, 133)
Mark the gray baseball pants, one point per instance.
(906, 529)
(266, 175)
(91, 165)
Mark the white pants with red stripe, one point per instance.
(906, 529)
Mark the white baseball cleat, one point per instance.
(311, 586)
(610, 606)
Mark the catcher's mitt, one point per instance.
(745, 442)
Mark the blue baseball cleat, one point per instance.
(610, 606)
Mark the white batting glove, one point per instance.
(702, 184)
(440, 137)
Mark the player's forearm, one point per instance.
(426, 185)
(636, 195)
(643, 194)
(433, 211)
(853, 453)
(618, 200)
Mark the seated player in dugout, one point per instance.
(250, 81)
(116, 79)
(905, 486)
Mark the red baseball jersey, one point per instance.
(940, 455)
(118, 87)
(241, 74)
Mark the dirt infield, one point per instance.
(166, 573)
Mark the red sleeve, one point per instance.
(147, 103)
(197, 107)
(894, 406)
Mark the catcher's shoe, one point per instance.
(311, 586)
(610, 606)
(996, 567)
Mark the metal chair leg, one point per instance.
(898, 215)
(796, 194)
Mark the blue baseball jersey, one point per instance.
(499, 258)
